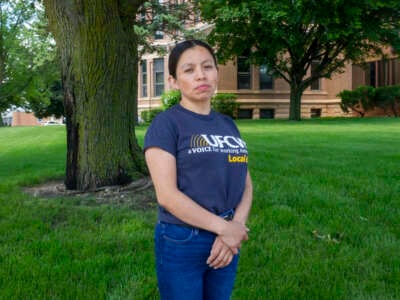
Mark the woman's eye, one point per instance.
(208, 66)
(188, 70)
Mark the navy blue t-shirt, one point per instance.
(210, 155)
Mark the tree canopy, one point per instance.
(163, 18)
(28, 64)
(290, 36)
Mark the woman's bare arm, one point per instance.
(243, 209)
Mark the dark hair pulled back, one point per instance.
(180, 48)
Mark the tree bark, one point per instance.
(296, 91)
(99, 73)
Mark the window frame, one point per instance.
(247, 73)
(144, 74)
(267, 74)
(316, 84)
(158, 86)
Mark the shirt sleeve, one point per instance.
(161, 134)
(232, 124)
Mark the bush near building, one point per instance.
(359, 100)
(225, 103)
(368, 98)
(148, 115)
(170, 98)
(388, 98)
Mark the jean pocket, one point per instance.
(177, 234)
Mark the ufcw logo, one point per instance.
(197, 141)
(217, 141)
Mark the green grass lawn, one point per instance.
(325, 222)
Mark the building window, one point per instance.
(315, 85)
(245, 113)
(143, 68)
(266, 80)
(315, 112)
(158, 76)
(267, 113)
(383, 73)
(395, 66)
(371, 74)
(243, 73)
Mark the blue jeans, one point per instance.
(182, 271)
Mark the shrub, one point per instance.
(365, 98)
(148, 115)
(221, 102)
(170, 98)
(359, 100)
(225, 104)
(388, 98)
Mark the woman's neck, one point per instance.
(202, 108)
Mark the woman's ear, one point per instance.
(172, 83)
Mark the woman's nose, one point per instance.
(200, 74)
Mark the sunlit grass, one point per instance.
(326, 210)
(325, 222)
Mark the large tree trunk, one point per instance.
(296, 91)
(99, 74)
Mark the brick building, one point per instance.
(20, 117)
(260, 95)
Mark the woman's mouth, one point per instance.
(203, 87)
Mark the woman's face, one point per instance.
(196, 75)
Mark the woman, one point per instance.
(198, 164)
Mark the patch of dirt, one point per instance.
(136, 195)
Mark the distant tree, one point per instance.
(12, 77)
(159, 18)
(291, 36)
(28, 64)
(51, 106)
(359, 100)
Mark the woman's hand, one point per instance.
(221, 255)
(233, 234)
